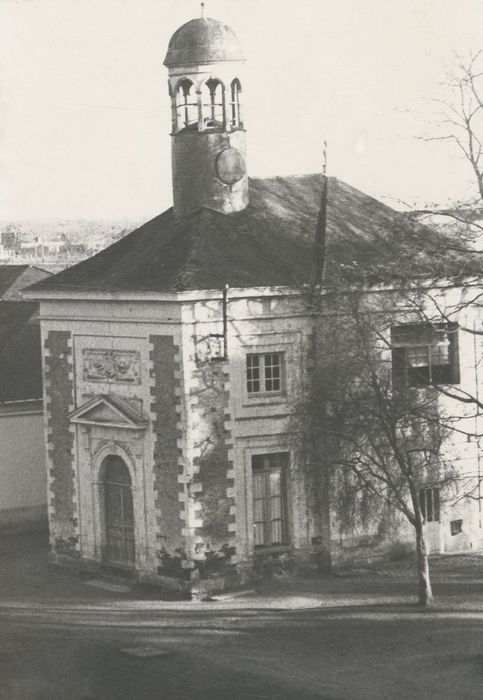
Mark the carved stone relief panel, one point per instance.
(116, 366)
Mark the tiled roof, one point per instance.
(9, 275)
(13, 278)
(270, 243)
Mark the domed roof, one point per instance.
(203, 40)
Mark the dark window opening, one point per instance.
(429, 503)
(236, 119)
(456, 527)
(186, 105)
(425, 354)
(213, 104)
(270, 499)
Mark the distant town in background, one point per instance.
(55, 245)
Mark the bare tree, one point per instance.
(459, 120)
(366, 437)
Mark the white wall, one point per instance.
(23, 499)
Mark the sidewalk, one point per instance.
(25, 574)
(27, 579)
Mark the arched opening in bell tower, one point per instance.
(235, 104)
(213, 104)
(186, 105)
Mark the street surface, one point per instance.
(354, 638)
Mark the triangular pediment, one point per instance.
(108, 411)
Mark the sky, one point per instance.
(85, 114)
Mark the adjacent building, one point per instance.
(23, 477)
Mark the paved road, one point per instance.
(361, 639)
(363, 653)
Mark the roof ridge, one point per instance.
(194, 248)
(184, 272)
(294, 175)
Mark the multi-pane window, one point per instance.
(265, 373)
(429, 502)
(424, 354)
(269, 499)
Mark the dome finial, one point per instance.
(202, 9)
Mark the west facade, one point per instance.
(170, 446)
(143, 387)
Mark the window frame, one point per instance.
(262, 378)
(271, 462)
(430, 504)
(236, 121)
(456, 527)
(428, 373)
(290, 344)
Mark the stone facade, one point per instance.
(59, 402)
(168, 455)
(190, 433)
(194, 161)
(457, 526)
(189, 453)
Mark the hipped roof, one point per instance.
(20, 351)
(270, 243)
(20, 347)
(14, 278)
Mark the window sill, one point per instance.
(429, 385)
(212, 130)
(262, 549)
(265, 398)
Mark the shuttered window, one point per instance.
(425, 354)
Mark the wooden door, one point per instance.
(119, 512)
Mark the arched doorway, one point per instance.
(118, 511)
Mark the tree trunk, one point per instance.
(425, 593)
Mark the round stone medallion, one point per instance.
(230, 165)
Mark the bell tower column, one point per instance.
(205, 65)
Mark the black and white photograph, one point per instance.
(241, 350)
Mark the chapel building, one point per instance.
(173, 358)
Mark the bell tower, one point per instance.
(208, 147)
